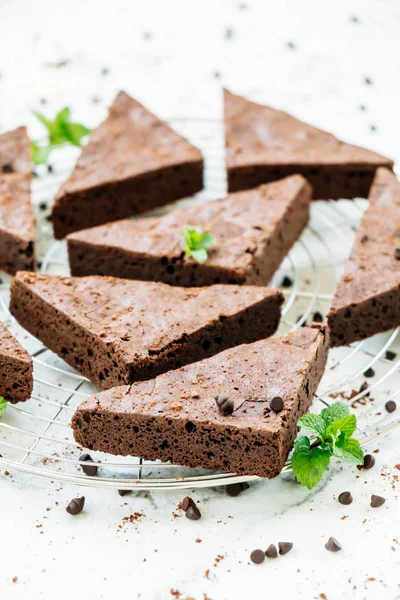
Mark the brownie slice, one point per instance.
(15, 154)
(264, 144)
(254, 231)
(16, 372)
(367, 299)
(175, 416)
(132, 163)
(118, 331)
(17, 225)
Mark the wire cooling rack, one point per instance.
(35, 436)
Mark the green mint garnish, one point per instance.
(197, 243)
(333, 429)
(3, 405)
(60, 131)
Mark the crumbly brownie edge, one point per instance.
(75, 211)
(16, 254)
(361, 321)
(16, 378)
(329, 182)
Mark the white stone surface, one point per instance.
(166, 53)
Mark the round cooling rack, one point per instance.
(35, 436)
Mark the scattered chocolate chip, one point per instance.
(369, 462)
(193, 512)
(397, 254)
(234, 489)
(363, 388)
(50, 169)
(225, 404)
(377, 501)
(277, 404)
(284, 547)
(257, 556)
(271, 551)
(8, 168)
(345, 498)
(286, 282)
(317, 317)
(43, 206)
(390, 406)
(124, 492)
(333, 545)
(76, 506)
(390, 355)
(186, 502)
(369, 373)
(88, 469)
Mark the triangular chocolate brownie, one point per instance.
(264, 144)
(254, 231)
(367, 299)
(268, 385)
(132, 163)
(118, 331)
(15, 154)
(16, 379)
(17, 225)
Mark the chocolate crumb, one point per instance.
(284, 547)
(76, 506)
(333, 545)
(257, 556)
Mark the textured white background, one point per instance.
(313, 59)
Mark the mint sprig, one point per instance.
(197, 242)
(3, 405)
(61, 130)
(332, 429)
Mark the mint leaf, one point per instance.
(314, 424)
(39, 154)
(346, 426)
(309, 464)
(3, 405)
(197, 242)
(349, 450)
(74, 132)
(333, 412)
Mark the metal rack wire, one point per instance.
(35, 437)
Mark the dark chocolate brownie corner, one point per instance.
(16, 371)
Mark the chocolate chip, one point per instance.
(333, 545)
(88, 469)
(271, 551)
(50, 169)
(193, 512)
(363, 388)
(8, 168)
(369, 373)
(397, 254)
(390, 406)
(369, 462)
(43, 206)
(390, 355)
(304, 324)
(284, 547)
(286, 282)
(317, 317)
(76, 506)
(124, 492)
(257, 556)
(186, 502)
(234, 489)
(377, 501)
(345, 498)
(225, 404)
(277, 404)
